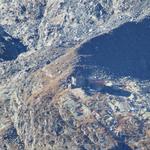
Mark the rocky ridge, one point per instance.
(38, 108)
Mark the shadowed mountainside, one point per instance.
(10, 47)
(40, 106)
(124, 52)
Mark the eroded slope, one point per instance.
(40, 106)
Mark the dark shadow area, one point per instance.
(97, 85)
(11, 136)
(107, 90)
(115, 91)
(121, 146)
(10, 47)
(124, 52)
(112, 90)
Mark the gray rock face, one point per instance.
(39, 108)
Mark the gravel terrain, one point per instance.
(55, 93)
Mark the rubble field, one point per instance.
(74, 75)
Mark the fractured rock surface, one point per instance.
(55, 92)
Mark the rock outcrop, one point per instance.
(40, 108)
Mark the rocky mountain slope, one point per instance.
(46, 100)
